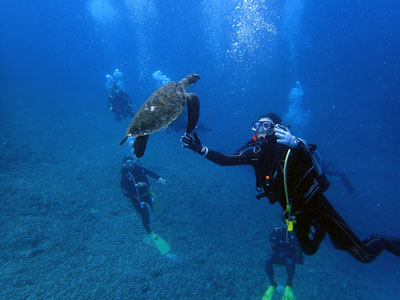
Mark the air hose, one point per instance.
(288, 211)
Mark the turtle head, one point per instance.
(192, 78)
(189, 80)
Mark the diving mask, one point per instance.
(262, 125)
(129, 164)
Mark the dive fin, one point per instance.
(160, 243)
(193, 105)
(139, 145)
(288, 295)
(269, 293)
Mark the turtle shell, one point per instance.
(160, 109)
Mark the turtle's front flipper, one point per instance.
(140, 145)
(193, 105)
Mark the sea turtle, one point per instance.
(161, 109)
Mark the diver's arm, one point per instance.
(228, 160)
(151, 174)
(147, 172)
(194, 143)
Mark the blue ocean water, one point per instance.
(330, 68)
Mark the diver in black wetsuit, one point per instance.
(287, 252)
(120, 103)
(280, 159)
(135, 185)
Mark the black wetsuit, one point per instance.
(140, 195)
(286, 251)
(120, 104)
(313, 213)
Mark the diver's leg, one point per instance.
(391, 244)
(146, 196)
(290, 268)
(145, 212)
(117, 117)
(269, 262)
(270, 270)
(344, 238)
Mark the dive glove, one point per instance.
(284, 137)
(162, 181)
(194, 143)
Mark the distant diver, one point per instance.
(343, 178)
(287, 252)
(120, 104)
(288, 173)
(136, 186)
(327, 169)
(296, 115)
(118, 100)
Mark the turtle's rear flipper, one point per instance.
(193, 105)
(140, 145)
(123, 140)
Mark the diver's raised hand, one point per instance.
(284, 137)
(193, 143)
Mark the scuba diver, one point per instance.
(135, 185)
(288, 173)
(287, 252)
(119, 103)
